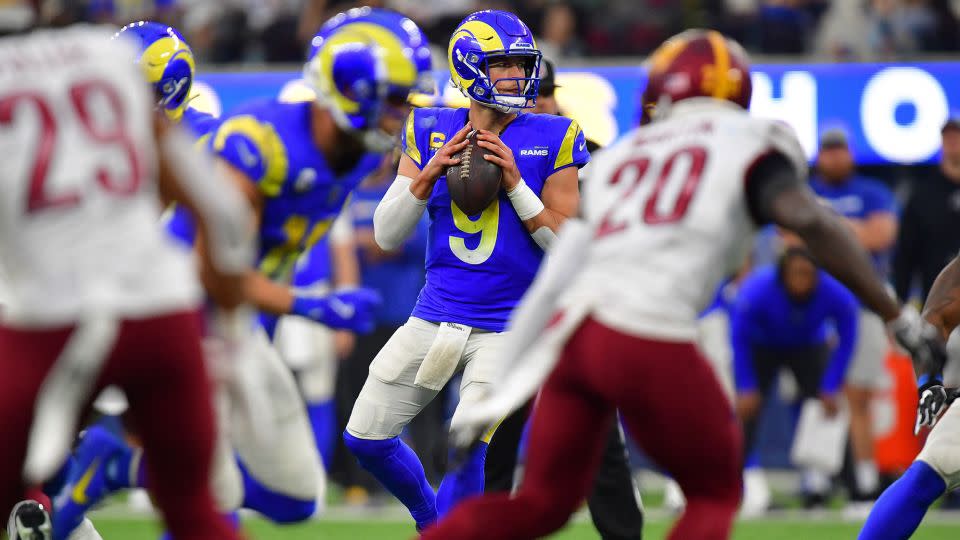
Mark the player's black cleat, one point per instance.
(29, 521)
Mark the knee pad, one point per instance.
(226, 484)
(291, 466)
(371, 417)
(940, 450)
(944, 461)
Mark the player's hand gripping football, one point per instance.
(446, 155)
(502, 156)
(351, 309)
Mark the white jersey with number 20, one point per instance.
(79, 212)
(668, 206)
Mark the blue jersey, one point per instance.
(272, 144)
(478, 267)
(859, 198)
(198, 122)
(313, 267)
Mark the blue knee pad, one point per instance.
(276, 507)
(397, 467)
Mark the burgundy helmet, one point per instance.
(697, 63)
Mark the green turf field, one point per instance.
(786, 529)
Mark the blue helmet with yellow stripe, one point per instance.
(482, 37)
(364, 63)
(167, 62)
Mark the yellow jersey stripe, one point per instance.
(565, 156)
(411, 146)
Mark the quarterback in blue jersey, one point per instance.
(297, 163)
(478, 267)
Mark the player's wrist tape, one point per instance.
(525, 201)
(544, 237)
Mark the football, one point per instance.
(474, 182)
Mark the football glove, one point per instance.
(351, 309)
(934, 399)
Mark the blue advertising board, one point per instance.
(892, 112)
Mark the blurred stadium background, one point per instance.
(883, 71)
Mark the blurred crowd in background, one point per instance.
(233, 31)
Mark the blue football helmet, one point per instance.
(363, 60)
(483, 37)
(167, 62)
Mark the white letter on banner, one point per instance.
(591, 100)
(797, 106)
(205, 99)
(296, 91)
(881, 96)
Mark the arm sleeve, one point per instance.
(745, 379)
(907, 253)
(397, 215)
(844, 313)
(255, 149)
(416, 248)
(572, 150)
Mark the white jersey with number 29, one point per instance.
(79, 212)
(669, 209)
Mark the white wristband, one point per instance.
(544, 237)
(525, 201)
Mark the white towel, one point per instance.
(819, 441)
(443, 357)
